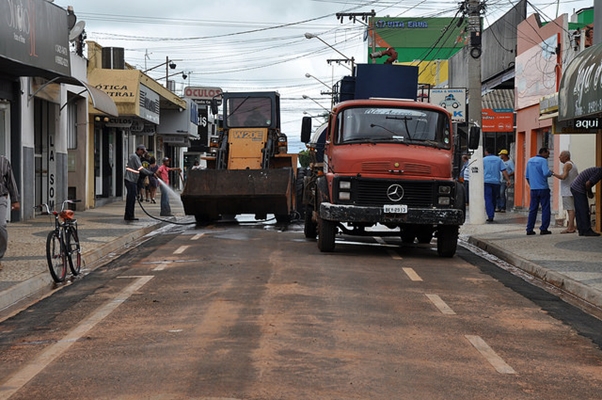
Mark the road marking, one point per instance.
(440, 304)
(197, 236)
(412, 275)
(24, 375)
(180, 249)
(496, 361)
(161, 265)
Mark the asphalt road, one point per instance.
(256, 312)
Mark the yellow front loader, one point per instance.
(250, 171)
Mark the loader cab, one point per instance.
(252, 110)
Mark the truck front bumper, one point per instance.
(419, 216)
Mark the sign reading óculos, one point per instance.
(202, 95)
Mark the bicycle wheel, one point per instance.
(74, 253)
(56, 257)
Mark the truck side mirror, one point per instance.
(305, 129)
(214, 110)
(474, 137)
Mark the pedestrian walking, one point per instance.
(8, 188)
(503, 198)
(492, 167)
(582, 189)
(133, 171)
(568, 175)
(537, 174)
(163, 174)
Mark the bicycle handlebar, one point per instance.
(46, 208)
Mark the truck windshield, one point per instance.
(249, 112)
(387, 124)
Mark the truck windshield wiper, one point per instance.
(359, 139)
(384, 128)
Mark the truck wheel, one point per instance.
(447, 240)
(301, 174)
(310, 229)
(327, 231)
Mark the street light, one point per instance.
(307, 75)
(168, 64)
(309, 98)
(311, 36)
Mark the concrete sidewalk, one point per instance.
(103, 234)
(568, 261)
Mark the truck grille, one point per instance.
(373, 192)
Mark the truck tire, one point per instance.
(301, 174)
(310, 228)
(447, 240)
(327, 231)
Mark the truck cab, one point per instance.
(384, 162)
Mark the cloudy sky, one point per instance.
(258, 45)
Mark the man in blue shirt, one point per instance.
(492, 166)
(537, 175)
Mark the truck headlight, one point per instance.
(344, 196)
(344, 185)
(444, 201)
(444, 189)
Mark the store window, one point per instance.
(71, 126)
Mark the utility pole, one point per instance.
(477, 213)
(363, 18)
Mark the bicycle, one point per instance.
(62, 243)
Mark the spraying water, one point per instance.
(173, 195)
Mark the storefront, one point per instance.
(175, 132)
(36, 110)
(580, 106)
(141, 103)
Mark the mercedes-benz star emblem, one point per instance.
(395, 192)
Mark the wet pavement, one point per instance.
(567, 261)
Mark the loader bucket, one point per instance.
(209, 193)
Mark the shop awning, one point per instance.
(100, 100)
(580, 93)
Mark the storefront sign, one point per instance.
(203, 95)
(122, 123)
(453, 100)
(493, 121)
(580, 93)
(579, 125)
(34, 34)
(149, 105)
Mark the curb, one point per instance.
(571, 286)
(43, 284)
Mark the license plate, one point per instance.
(395, 208)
